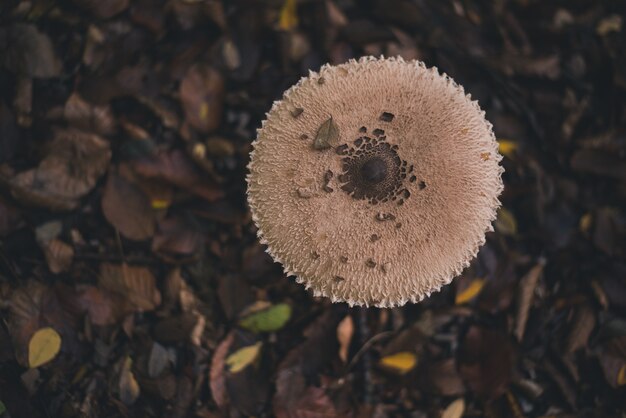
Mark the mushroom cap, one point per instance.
(375, 181)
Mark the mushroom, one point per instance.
(376, 186)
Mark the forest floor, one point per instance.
(132, 283)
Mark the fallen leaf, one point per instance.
(485, 361)
(611, 23)
(288, 19)
(305, 362)
(158, 361)
(30, 52)
(470, 292)
(345, 331)
(177, 169)
(444, 378)
(83, 115)
(44, 346)
(102, 306)
(73, 164)
(267, 319)
(580, 329)
(202, 94)
(34, 306)
(525, 292)
(243, 357)
(327, 134)
(59, 255)
(505, 222)
(175, 238)
(217, 380)
(128, 387)
(455, 409)
(136, 283)
(507, 147)
(400, 363)
(127, 208)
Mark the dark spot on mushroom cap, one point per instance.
(297, 112)
(422, 185)
(374, 170)
(370, 263)
(387, 117)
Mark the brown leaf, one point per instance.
(176, 168)
(345, 330)
(217, 380)
(444, 378)
(525, 292)
(136, 283)
(32, 307)
(327, 135)
(305, 361)
(102, 306)
(30, 52)
(174, 238)
(485, 361)
(582, 325)
(59, 255)
(74, 162)
(88, 117)
(313, 403)
(202, 94)
(127, 208)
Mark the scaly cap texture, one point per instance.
(374, 182)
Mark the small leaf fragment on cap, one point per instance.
(327, 133)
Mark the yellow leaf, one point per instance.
(471, 292)
(402, 362)
(243, 357)
(160, 204)
(585, 223)
(455, 409)
(507, 147)
(288, 15)
(621, 376)
(204, 110)
(506, 223)
(43, 347)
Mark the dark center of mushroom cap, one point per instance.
(373, 170)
